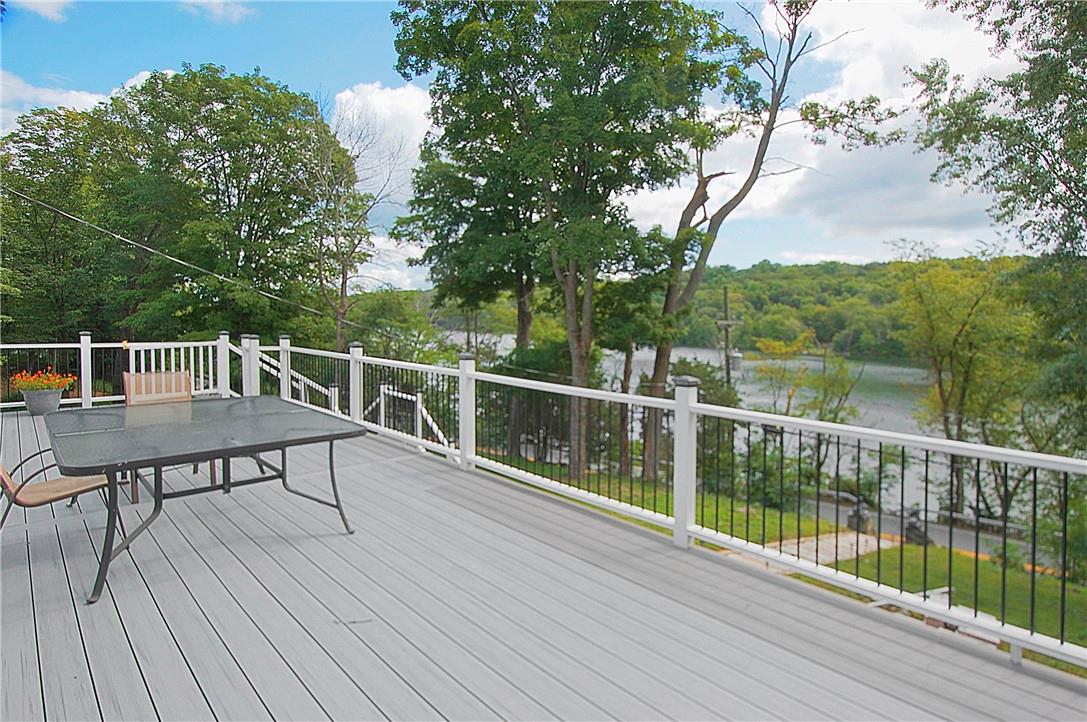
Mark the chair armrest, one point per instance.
(26, 480)
(32, 456)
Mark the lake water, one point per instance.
(888, 396)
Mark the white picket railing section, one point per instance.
(452, 433)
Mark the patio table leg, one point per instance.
(107, 542)
(335, 489)
(337, 504)
(146, 522)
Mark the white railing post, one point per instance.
(250, 364)
(354, 382)
(254, 364)
(381, 406)
(86, 389)
(285, 368)
(222, 364)
(334, 397)
(684, 480)
(467, 411)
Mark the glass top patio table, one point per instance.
(94, 441)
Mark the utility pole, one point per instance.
(725, 324)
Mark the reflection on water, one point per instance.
(887, 396)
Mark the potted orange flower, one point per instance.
(42, 389)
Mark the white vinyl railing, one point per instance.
(98, 366)
(768, 485)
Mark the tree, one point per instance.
(354, 174)
(586, 101)
(397, 325)
(624, 310)
(1021, 138)
(210, 168)
(759, 112)
(976, 342)
(68, 274)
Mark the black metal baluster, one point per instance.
(1033, 542)
(924, 554)
(951, 534)
(901, 518)
(857, 521)
(977, 530)
(1004, 545)
(660, 436)
(731, 477)
(611, 437)
(879, 516)
(717, 477)
(747, 495)
(1064, 554)
(700, 473)
(763, 486)
(799, 487)
(781, 488)
(837, 493)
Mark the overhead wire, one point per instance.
(174, 259)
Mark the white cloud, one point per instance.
(877, 194)
(389, 267)
(396, 118)
(48, 9)
(400, 113)
(18, 96)
(219, 11)
(139, 79)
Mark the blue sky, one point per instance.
(844, 206)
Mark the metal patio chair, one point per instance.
(156, 387)
(47, 491)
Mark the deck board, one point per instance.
(459, 597)
(804, 620)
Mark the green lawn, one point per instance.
(1017, 598)
(732, 516)
(712, 511)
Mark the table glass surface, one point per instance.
(89, 441)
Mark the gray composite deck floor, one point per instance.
(460, 596)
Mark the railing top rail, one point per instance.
(309, 351)
(409, 365)
(17, 346)
(139, 345)
(634, 399)
(929, 443)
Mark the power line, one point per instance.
(174, 259)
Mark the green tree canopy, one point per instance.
(212, 168)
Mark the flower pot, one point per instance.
(42, 401)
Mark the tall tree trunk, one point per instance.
(525, 286)
(341, 310)
(651, 446)
(515, 430)
(578, 315)
(681, 289)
